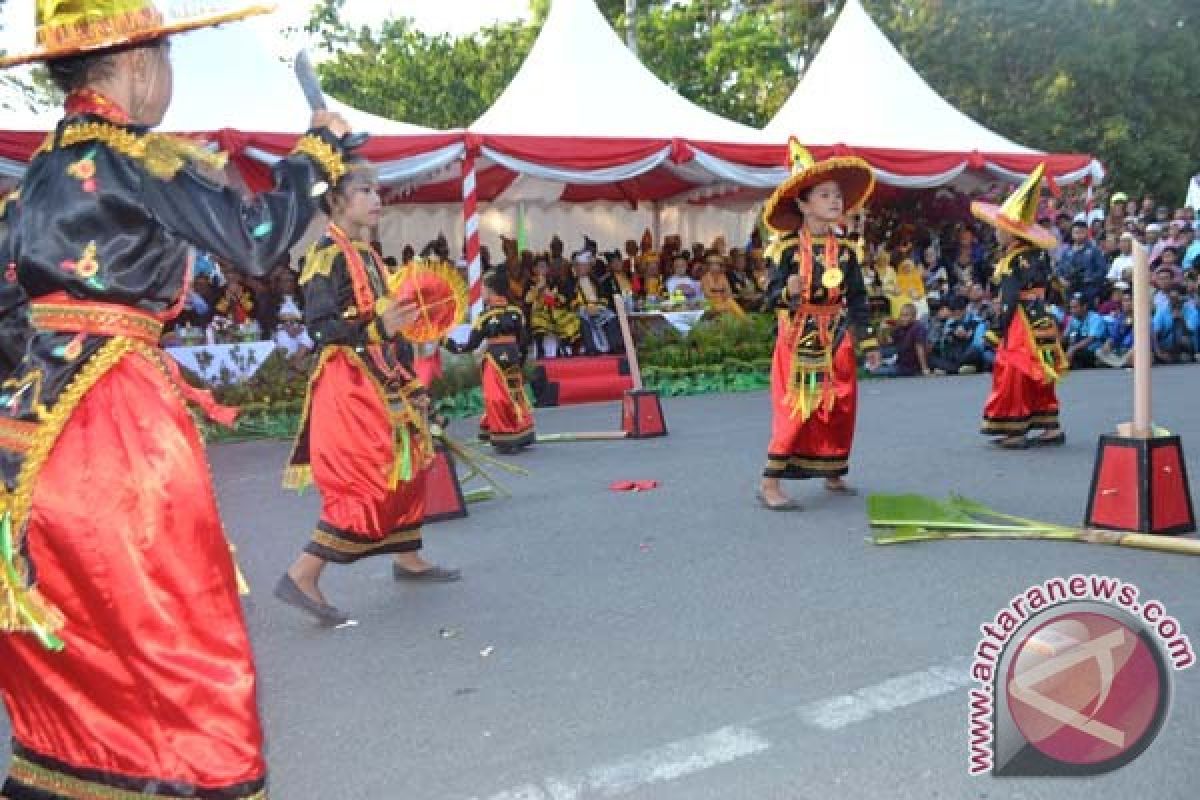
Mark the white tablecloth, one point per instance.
(682, 321)
(223, 363)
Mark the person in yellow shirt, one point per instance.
(910, 284)
(715, 285)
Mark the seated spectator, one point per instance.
(1163, 281)
(654, 289)
(910, 284)
(1083, 333)
(1117, 350)
(1175, 330)
(1191, 248)
(907, 351)
(292, 337)
(601, 332)
(1170, 260)
(1113, 304)
(681, 283)
(716, 287)
(937, 278)
(955, 352)
(556, 329)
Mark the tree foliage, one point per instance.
(1108, 77)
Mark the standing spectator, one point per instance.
(1122, 263)
(1083, 333)
(1146, 214)
(1083, 266)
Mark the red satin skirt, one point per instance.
(353, 449)
(507, 418)
(154, 692)
(1022, 397)
(817, 447)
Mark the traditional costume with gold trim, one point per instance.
(814, 387)
(1029, 356)
(364, 441)
(127, 669)
(507, 420)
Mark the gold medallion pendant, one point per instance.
(832, 278)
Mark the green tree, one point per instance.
(1107, 77)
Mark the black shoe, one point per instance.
(287, 591)
(1056, 440)
(431, 575)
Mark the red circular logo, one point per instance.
(1085, 688)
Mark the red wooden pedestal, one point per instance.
(443, 493)
(1140, 485)
(641, 414)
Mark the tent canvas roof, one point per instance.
(895, 112)
(579, 80)
(227, 77)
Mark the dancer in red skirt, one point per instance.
(364, 439)
(818, 293)
(507, 420)
(1029, 356)
(126, 665)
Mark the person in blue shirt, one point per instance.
(1117, 350)
(1084, 331)
(1175, 330)
(1083, 266)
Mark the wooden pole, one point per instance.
(1142, 336)
(630, 348)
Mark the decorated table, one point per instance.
(223, 363)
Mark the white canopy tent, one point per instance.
(888, 114)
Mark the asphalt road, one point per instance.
(683, 643)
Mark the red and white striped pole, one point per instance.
(470, 198)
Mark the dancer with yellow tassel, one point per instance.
(818, 294)
(1029, 358)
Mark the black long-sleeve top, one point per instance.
(495, 323)
(851, 290)
(335, 316)
(1019, 271)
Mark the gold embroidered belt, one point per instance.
(58, 312)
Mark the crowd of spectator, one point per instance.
(936, 307)
(929, 285)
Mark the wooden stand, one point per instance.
(641, 410)
(443, 493)
(1140, 479)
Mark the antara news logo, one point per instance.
(1074, 678)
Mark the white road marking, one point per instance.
(903, 690)
(657, 765)
(726, 745)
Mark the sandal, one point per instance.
(1011, 444)
(842, 489)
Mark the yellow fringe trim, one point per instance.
(162, 154)
(328, 159)
(299, 476)
(22, 607)
(39, 777)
